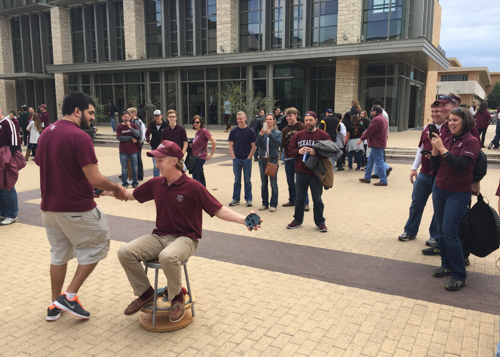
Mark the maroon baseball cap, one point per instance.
(42, 106)
(311, 113)
(167, 148)
(447, 99)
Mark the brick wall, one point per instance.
(133, 19)
(227, 26)
(436, 28)
(430, 96)
(346, 84)
(349, 21)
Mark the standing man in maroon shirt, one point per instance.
(180, 202)
(74, 224)
(300, 146)
(174, 132)
(128, 134)
(44, 116)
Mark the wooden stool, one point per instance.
(154, 316)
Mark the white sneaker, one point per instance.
(6, 221)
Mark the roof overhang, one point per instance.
(23, 9)
(418, 52)
(26, 75)
(70, 2)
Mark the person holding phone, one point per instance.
(268, 143)
(454, 159)
(424, 181)
(178, 227)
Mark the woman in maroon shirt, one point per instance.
(483, 120)
(453, 159)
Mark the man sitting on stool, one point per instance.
(179, 202)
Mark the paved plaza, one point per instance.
(354, 291)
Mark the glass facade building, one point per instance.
(310, 54)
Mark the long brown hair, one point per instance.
(38, 123)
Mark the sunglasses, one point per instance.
(458, 111)
(447, 97)
(196, 122)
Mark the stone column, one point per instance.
(62, 50)
(346, 84)
(133, 20)
(7, 87)
(430, 97)
(227, 26)
(349, 21)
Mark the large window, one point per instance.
(16, 45)
(383, 19)
(454, 77)
(289, 86)
(277, 24)
(296, 23)
(324, 22)
(208, 27)
(251, 25)
(120, 32)
(77, 35)
(153, 28)
(189, 29)
(322, 94)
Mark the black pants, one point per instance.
(482, 135)
(341, 161)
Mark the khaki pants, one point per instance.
(171, 251)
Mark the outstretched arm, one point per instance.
(229, 215)
(129, 194)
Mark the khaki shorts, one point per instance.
(84, 235)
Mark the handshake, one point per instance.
(120, 193)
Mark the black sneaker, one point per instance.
(430, 242)
(53, 313)
(431, 251)
(405, 237)
(74, 307)
(388, 171)
(135, 185)
(125, 185)
(375, 176)
(441, 272)
(466, 262)
(454, 285)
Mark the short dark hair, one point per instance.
(125, 112)
(338, 116)
(76, 100)
(435, 105)
(378, 101)
(377, 109)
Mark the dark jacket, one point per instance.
(155, 134)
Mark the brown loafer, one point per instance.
(176, 311)
(137, 304)
(364, 180)
(288, 204)
(379, 184)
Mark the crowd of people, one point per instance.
(310, 148)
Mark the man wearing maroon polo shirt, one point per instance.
(180, 202)
(74, 224)
(44, 116)
(174, 132)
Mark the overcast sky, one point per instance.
(470, 31)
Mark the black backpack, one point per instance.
(480, 229)
(480, 167)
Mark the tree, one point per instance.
(249, 102)
(494, 96)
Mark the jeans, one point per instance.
(376, 157)
(112, 120)
(198, 173)
(449, 209)
(133, 163)
(303, 182)
(8, 203)
(422, 188)
(156, 171)
(246, 165)
(290, 179)
(496, 139)
(274, 184)
(341, 161)
(359, 158)
(140, 166)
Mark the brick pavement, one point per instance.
(309, 300)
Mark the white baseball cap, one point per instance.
(157, 112)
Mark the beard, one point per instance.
(310, 127)
(84, 123)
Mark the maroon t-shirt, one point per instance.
(200, 143)
(305, 138)
(483, 119)
(449, 179)
(126, 147)
(63, 149)
(177, 135)
(45, 119)
(178, 206)
(498, 189)
(424, 139)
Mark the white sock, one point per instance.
(70, 296)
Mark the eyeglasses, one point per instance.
(196, 122)
(448, 98)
